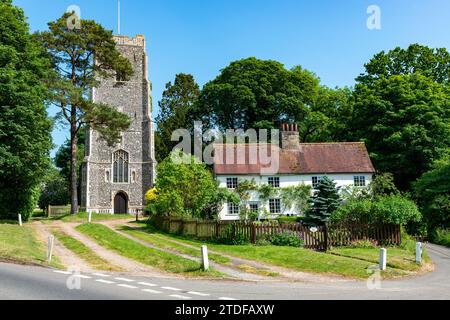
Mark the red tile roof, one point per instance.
(339, 157)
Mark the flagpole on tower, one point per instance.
(118, 16)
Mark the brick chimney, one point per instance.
(290, 138)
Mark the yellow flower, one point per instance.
(151, 195)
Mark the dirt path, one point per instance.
(132, 267)
(237, 264)
(66, 257)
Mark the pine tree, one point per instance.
(325, 201)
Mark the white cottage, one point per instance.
(292, 163)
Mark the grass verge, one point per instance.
(349, 264)
(84, 252)
(83, 217)
(20, 244)
(155, 258)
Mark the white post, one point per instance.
(383, 256)
(51, 239)
(89, 217)
(205, 261)
(419, 252)
(20, 219)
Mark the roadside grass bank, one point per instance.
(83, 252)
(347, 262)
(158, 259)
(21, 245)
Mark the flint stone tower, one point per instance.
(115, 179)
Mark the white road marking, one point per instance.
(151, 291)
(124, 279)
(171, 288)
(105, 281)
(101, 275)
(179, 296)
(63, 272)
(198, 293)
(127, 286)
(82, 276)
(226, 298)
(147, 284)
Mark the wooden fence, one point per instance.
(319, 238)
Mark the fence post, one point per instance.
(89, 217)
(253, 233)
(418, 252)
(20, 219)
(49, 211)
(383, 257)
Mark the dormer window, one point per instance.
(274, 182)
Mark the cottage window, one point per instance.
(254, 207)
(120, 167)
(233, 209)
(274, 182)
(275, 206)
(359, 181)
(316, 181)
(232, 183)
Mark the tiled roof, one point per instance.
(339, 157)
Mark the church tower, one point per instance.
(115, 179)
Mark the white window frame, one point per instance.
(274, 181)
(232, 182)
(359, 181)
(315, 184)
(275, 204)
(232, 208)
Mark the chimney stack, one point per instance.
(290, 138)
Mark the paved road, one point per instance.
(26, 282)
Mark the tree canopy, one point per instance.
(253, 93)
(24, 126)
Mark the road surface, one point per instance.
(29, 282)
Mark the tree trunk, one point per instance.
(73, 168)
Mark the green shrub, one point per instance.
(286, 219)
(442, 237)
(286, 238)
(395, 209)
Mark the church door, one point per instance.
(120, 203)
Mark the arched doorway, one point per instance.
(120, 203)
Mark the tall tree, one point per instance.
(24, 126)
(80, 57)
(253, 93)
(175, 106)
(405, 122)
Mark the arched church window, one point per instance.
(120, 166)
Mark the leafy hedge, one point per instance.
(394, 209)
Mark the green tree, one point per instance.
(186, 188)
(405, 122)
(63, 155)
(175, 107)
(24, 126)
(81, 56)
(431, 63)
(252, 93)
(55, 190)
(432, 190)
(325, 201)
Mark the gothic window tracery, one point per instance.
(120, 166)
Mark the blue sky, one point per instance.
(328, 37)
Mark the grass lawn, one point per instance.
(83, 217)
(348, 262)
(19, 244)
(84, 252)
(156, 258)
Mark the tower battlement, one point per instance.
(138, 40)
